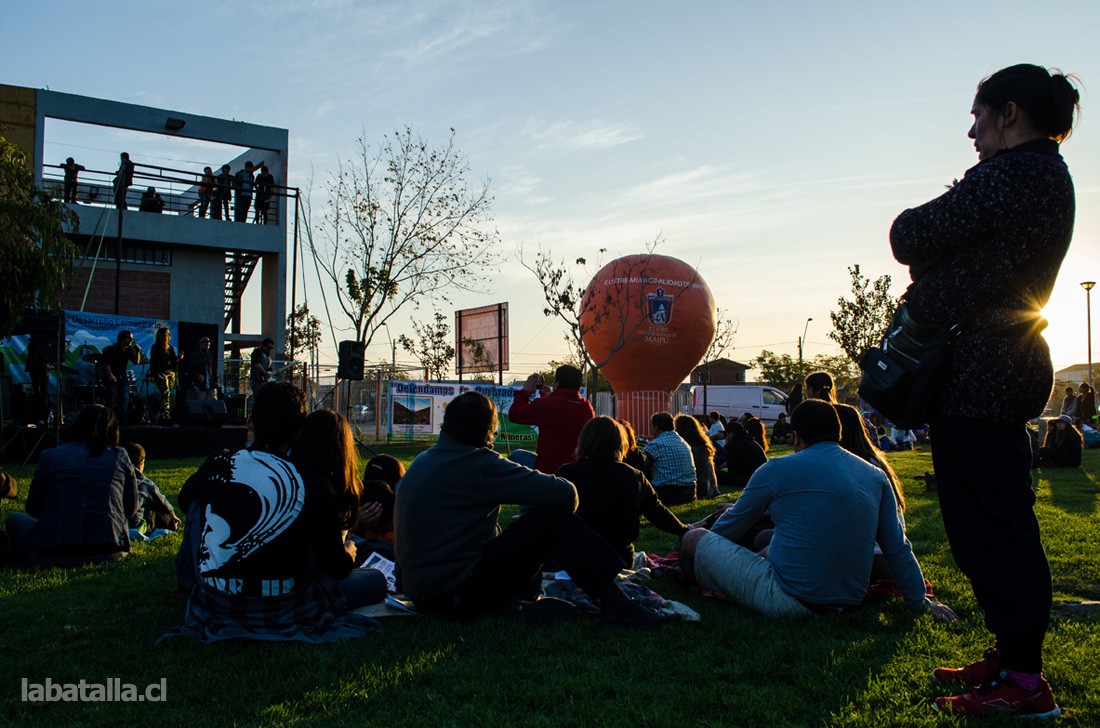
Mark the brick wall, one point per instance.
(143, 293)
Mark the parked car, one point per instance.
(737, 399)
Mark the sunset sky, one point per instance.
(768, 144)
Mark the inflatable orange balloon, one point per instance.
(647, 321)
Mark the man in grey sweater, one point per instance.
(453, 561)
(830, 508)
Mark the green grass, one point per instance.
(868, 668)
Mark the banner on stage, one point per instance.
(86, 335)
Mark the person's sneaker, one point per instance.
(1002, 695)
(636, 616)
(973, 674)
(544, 610)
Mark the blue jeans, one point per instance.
(362, 587)
(118, 396)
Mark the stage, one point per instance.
(186, 441)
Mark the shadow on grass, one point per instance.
(1073, 490)
(102, 622)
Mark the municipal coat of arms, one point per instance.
(660, 307)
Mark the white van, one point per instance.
(736, 399)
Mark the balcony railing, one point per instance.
(178, 190)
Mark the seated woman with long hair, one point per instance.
(820, 385)
(755, 427)
(855, 439)
(80, 500)
(613, 496)
(702, 454)
(1062, 445)
(327, 447)
(635, 456)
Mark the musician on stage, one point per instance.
(116, 359)
(260, 370)
(202, 372)
(162, 368)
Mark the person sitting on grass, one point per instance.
(781, 430)
(613, 496)
(743, 455)
(636, 457)
(454, 561)
(81, 497)
(155, 516)
(702, 455)
(829, 508)
(374, 529)
(1063, 444)
(266, 541)
(328, 447)
(755, 427)
(673, 473)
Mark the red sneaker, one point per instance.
(973, 674)
(1001, 695)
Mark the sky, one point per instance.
(770, 145)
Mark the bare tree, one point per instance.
(567, 301)
(432, 347)
(725, 331)
(860, 323)
(402, 225)
(563, 298)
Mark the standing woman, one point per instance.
(162, 368)
(985, 255)
(1086, 404)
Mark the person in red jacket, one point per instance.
(559, 414)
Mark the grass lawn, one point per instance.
(868, 668)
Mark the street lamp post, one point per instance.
(1087, 285)
(802, 339)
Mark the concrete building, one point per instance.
(171, 265)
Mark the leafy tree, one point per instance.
(303, 333)
(781, 370)
(432, 348)
(37, 259)
(860, 323)
(784, 371)
(402, 225)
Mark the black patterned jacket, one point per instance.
(990, 249)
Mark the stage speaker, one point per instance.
(351, 360)
(204, 412)
(5, 398)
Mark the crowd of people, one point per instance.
(273, 532)
(250, 187)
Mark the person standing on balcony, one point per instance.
(206, 190)
(72, 169)
(244, 181)
(124, 178)
(265, 184)
(223, 185)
